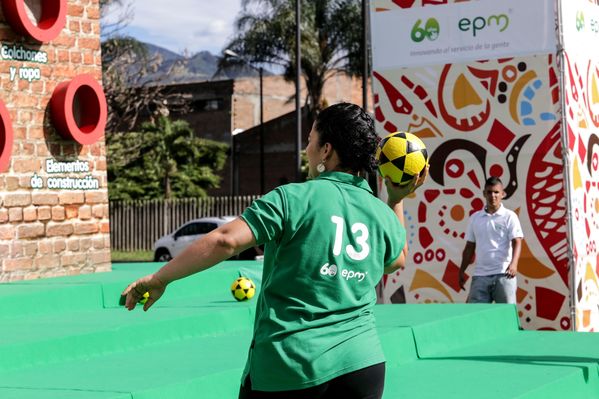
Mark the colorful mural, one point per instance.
(581, 93)
(491, 117)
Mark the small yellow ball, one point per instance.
(401, 156)
(144, 299)
(243, 289)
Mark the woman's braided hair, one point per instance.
(350, 130)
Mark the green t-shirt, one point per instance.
(326, 243)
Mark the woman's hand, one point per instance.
(397, 193)
(136, 290)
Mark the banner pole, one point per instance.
(561, 58)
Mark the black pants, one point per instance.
(367, 383)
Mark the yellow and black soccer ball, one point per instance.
(243, 289)
(401, 156)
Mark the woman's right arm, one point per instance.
(396, 195)
(213, 248)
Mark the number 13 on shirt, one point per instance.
(359, 230)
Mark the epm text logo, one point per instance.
(430, 30)
(477, 24)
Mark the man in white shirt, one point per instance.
(494, 235)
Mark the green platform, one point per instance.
(68, 338)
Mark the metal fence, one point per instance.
(135, 225)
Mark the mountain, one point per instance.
(171, 67)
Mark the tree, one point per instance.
(163, 160)
(330, 39)
(131, 94)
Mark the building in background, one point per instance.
(229, 111)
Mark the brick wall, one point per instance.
(48, 232)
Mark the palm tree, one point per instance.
(330, 39)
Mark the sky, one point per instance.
(183, 25)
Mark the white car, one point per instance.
(171, 245)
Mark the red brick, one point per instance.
(96, 197)
(98, 211)
(28, 149)
(93, 12)
(73, 244)
(46, 71)
(44, 213)
(17, 199)
(75, 10)
(4, 251)
(16, 248)
(75, 26)
(62, 56)
(44, 198)
(75, 57)
(17, 264)
(23, 85)
(24, 100)
(100, 165)
(25, 182)
(70, 198)
(37, 87)
(24, 116)
(85, 244)
(92, 44)
(85, 228)
(88, 58)
(47, 261)
(30, 248)
(50, 86)
(7, 232)
(3, 215)
(60, 245)
(76, 259)
(30, 214)
(63, 71)
(12, 183)
(26, 165)
(20, 133)
(85, 212)
(72, 211)
(100, 256)
(30, 230)
(15, 214)
(98, 242)
(59, 229)
(45, 247)
(58, 213)
(86, 27)
(104, 227)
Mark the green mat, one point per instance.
(68, 338)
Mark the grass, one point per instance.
(132, 256)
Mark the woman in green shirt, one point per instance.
(331, 239)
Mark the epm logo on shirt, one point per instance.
(356, 253)
(331, 270)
